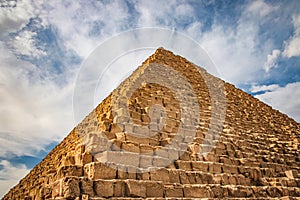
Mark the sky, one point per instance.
(254, 45)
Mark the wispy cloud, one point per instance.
(291, 47)
(10, 175)
(285, 99)
(25, 45)
(32, 107)
(236, 49)
(263, 88)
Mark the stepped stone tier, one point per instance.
(166, 141)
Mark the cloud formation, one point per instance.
(272, 60)
(285, 99)
(33, 110)
(291, 47)
(10, 175)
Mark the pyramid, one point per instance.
(171, 130)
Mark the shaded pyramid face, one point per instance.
(171, 130)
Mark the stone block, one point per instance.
(232, 180)
(119, 188)
(215, 168)
(160, 161)
(206, 178)
(104, 188)
(122, 172)
(70, 187)
(173, 191)
(184, 165)
(121, 157)
(135, 188)
(131, 147)
(219, 192)
(142, 175)
(86, 158)
(196, 191)
(174, 176)
(184, 156)
(160, 175)
(154, 189)
(146, 149)
(137, 139)
(75, 170)
(245, 192)
(145, 161)
(98, 170)
(200, 166)
(86, 186)
(183, 177)
(192, 177)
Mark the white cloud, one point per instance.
(10, 175)
(260, 8)
(263, 88)
(235, 50)
(163, 13)
(83, 25)
(285, 99)
(292, 46)
(24, 44)
(272, 60)
(13, 18)
(33, 110)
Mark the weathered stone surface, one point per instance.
(104, 188)
(135, 188)
(98, 170)
(73, 170)
(256, 154)
(154, 189)
(173, 191)
(86, 186)
(160, 175)
(70, 187)
(196, 191)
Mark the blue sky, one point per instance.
(254, 44)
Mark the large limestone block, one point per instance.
(197, 191)
(154, 189)
(104, 188)
(160, 175)
(74, 170)
(86, 186)
(98, 170)
(70, 187)
(135, 188)
(173, 190)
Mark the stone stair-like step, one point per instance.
(72, 187)
(283, 181)
(220, 191)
